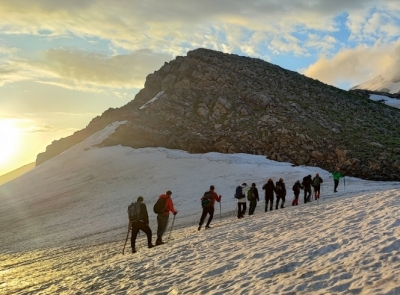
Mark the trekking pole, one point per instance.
(172, 225)
(127, 236)
(220, 210)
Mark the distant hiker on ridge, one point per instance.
(296, 190)
(162, 218)
(207, 202)
(280, 189)
(240, 195)
(307, 182)
(336, 176)
(316, 182)
(139, 221)
(252, 196)
(269, 189)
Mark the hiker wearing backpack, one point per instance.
(164, 201)
(269, 189)
(139, 221)
(336, 176)
(207, 202)
(296, 190)
(252, 196)
(307, 182)
(317, 181)
(280, 193)
(240, 195)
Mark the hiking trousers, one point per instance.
(207, 210)
(307, 194)
(336, 181)
(270, 200)
(136, 227)
(317, 192)
(241, 209)
(252, 207)
(296, 199)
(162, 222)
(278, 198)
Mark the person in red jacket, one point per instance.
(207, 202)
(162, 219)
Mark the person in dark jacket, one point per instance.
(141, 224)
(316, 182)
(280, 193)
(209, 208)
(254, 199)
(296, 190)
(269, 189)
(307, 182)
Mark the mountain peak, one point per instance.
(209, 101)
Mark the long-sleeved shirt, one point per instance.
(169, 205)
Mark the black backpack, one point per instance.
(134, 211)
(239, 192)
(206, 201)
(159, 206)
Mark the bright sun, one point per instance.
(9, 136)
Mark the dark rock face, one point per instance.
(211, 101)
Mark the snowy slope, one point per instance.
(63, 225)
(393, 102)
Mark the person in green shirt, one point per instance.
(336, 176)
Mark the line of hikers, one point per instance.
(139, 219)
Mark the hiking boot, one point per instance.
(159, 243)
(150, 245)
(199, 228)
(207, 226)
(133, 250)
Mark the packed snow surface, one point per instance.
(63, 226)
(393, 102)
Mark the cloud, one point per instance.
(40, 128)
(165, 25)
(356, 65)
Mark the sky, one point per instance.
(64, 223)
(64, 62)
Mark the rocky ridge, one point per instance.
(210, 101)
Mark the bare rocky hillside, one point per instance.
(211, 101)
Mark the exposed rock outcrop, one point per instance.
(211, 101)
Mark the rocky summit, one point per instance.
(210, 101)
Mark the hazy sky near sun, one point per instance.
(64, 62)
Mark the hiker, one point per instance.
(269, 189)
(280, 189)
(316, 182)
(207, 202)
(240, 195)
(296, 190)
(139, 221)
(307, 182)
(336, 176)
(252, 196)
(162, 219)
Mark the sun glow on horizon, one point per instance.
(10, 136)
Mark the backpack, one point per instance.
(279, 187)
(159, 206)
(250, 194)
(206, 201)
(134, 211)
(239, 192)
(316, 181)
